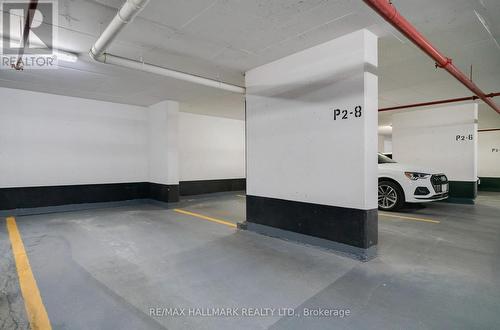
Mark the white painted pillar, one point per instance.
(163, 151)
(489, 160)
(312, 145)
(443, 139)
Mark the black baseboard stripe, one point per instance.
(163, 192)
(45, 196)
(458, 200)
(74, 207)
(489, 184)
(355, 228)
(189, 188)
(462, 192)
(344, 249)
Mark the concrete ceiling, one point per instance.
(223, 38)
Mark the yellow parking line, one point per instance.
(409, 218)
(201, 216)
(33, 303)
(242, 196)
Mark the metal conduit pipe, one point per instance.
(385, 9)
(424, 104)
(125, 15)
(26, 33)
(489, 130)
(132, 64)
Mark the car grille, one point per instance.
(437, 181)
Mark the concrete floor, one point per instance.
(105, 268)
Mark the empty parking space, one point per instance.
(121, 264)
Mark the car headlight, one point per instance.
(416, 176)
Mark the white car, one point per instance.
(398, 183)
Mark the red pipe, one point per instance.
(417, 105)
(385, 9)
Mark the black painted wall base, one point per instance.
(164, 193)
(355, 229)
(30, 197)
(489, 184)
(188, 188)
(462, 192)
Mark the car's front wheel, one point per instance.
(390, 196)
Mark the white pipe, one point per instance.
(125, 15)
(132, 64)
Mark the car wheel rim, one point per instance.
(387, 197)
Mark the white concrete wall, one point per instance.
(384, 143)
(428, 138)
(163, 143)
(57, 140)
(296, 149)
(489, 157)
(211, 147)
(388, 144)
(384, 138)
(381, 143)
(48, 139)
